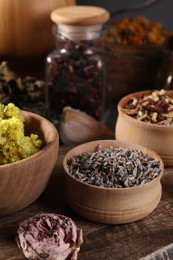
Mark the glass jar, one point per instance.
(75, 71)
(164, 79)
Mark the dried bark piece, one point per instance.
(129, 111)
(170, 99)
(169, 114)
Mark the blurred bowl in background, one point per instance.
(136, 45)
(132, 68)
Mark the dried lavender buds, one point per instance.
(154, 108)
(114, 167)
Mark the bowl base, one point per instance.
(114, 216)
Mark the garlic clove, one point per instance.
(78, 127)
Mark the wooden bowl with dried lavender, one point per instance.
(112, 182)
(146, 118)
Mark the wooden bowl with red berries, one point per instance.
(146, 118)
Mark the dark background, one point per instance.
(162, 11)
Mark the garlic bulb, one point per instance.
(78, 127)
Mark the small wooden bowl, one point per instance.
(156, 137)
(22, 182)
(111, 205)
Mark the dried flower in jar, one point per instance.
(114, 167)
(75, 78)
(154, 108)
(75, 71)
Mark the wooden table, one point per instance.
(101, 241)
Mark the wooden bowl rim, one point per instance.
(139, 47)
(134, 120)
(116, 143)
(52, 138)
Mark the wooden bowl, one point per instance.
(156, 137)
(132, 68)
(111, 205)
(22, 182)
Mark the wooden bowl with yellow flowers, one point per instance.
(29, 147)
(146, 118)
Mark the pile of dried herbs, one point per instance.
(136, 31)
(114, 167)
(27, 93)
(154, 108)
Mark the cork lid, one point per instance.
(80, 15)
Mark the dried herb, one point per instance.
(114, 167)
(75, 78)
(154, 108)
(27, 93)
(135, 31)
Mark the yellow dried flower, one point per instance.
(14, 145)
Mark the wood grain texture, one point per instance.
(80, 15)
(26, 28)
(101, 241)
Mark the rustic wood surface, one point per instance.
(101, 241)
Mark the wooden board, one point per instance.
(101, 241)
